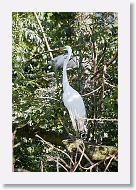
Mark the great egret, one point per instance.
(73, 100)
(59, 60)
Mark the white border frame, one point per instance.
(6, 9)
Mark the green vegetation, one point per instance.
(39, 115)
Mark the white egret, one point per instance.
(73, 100)
(59, 60)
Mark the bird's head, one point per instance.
(67, 48)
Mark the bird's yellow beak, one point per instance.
(61, 49)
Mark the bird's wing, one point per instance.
(73, 62)
(76, 109)
(58, 61)
(73, 102)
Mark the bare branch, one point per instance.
(113, 86)
(107, 64)
(66, 165)
(102, 120)
(16, 145)
(49, 144)
(57, 164)
(80, 158)
(41, 166)
(92, 91)
(86, 157)
(51, 158)
(44, 36)
(113, 156)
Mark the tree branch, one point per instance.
(52, 146)
(112, 157)
(82, 154)
(92, 91)
(44, 36)
(107, 64)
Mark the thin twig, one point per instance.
(61, 160)
(110, 84)
(41, 166)
(80, 158)
(103, 52)
(103, 89)
(102, 120)
(92, 91)
(61, 165)
(80, 150)
(86, 157)
(57, 164)
(49, 144)
(107, 64)
(109, 163)
(75, 160)
(16, 145)
(96, 164)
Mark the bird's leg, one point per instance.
(70, 136)
(77, 130)
(77, 134)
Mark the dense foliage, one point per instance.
(38, 110)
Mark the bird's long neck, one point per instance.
(65, 78)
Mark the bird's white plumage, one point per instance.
(59, 60)
(73, 100)
(75, 105)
